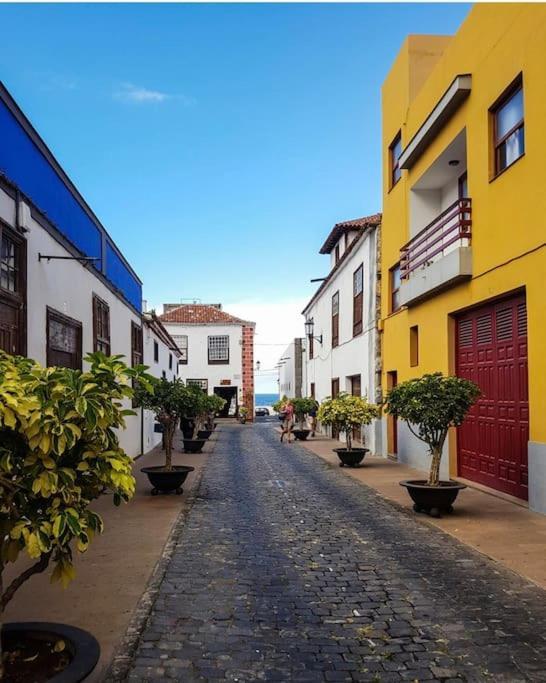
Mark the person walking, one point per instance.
(313, 415)
(288, 420)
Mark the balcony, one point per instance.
(438, 256)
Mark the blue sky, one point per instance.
(217, 143)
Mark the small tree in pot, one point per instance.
(302, 407)
(210, 405)
(163, 399)
(430, 405)
(346, 413)
(59, 451)
(191, 409)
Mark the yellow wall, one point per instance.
(495, 44)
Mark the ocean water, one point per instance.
(266, 399)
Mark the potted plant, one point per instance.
(191, 408)
(243, 414)
(212, 404)
(346, 413)
(278, 406)
(59, 451)
(430, 405)
(302, 406)
(163, 399)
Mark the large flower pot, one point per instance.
(187, 427)
(81, 652)
(165, 481)
(301, 434)
(433, 499)
(204, 433)
(351, 458)
(193, 445)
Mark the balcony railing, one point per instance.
(449, 230)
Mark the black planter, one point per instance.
(301, 434)
(433, 499)
(193, 445)
(204, 433)
(81, 645)
(351, 458)
(165, 481)
(187, 427)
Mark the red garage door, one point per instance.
(492, 351)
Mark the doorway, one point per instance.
(229, 394)
(356, 390)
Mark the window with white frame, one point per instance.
(201, 383)
(218, 347)
(181, 340)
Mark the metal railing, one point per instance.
(449, 230)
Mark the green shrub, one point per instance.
(345, 413)
(430, 405)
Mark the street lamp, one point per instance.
(310, 329)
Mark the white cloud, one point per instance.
(134, 93)
(129, 92)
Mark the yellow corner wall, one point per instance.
(494, 44)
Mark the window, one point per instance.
(163, 374)
(395, 150)
(395, 288)
(337, 254)
(414, 345)
(218, 350)
(335, 387)
(64, 340)
(136, 344)
(170, 361)
(181, 340)
(203, 384)
(312, 390)
(335, 320)
(101, 325)
(9, 264)
(508, 127)
(358, 304)
(156, 352)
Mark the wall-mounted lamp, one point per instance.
(310, 329)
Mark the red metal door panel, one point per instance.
(492, 351)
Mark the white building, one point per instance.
(65, 287)
(217, 352)
(293, 370)
(343, 351)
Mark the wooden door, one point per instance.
(335, 392)
(492, 351)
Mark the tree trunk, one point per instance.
(349, 440)
(434, 475)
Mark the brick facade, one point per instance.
(248, 370)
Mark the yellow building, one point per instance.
(464, 238)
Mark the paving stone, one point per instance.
(288, 570)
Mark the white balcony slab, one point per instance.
(444, 272)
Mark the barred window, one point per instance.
(335, 320)
(101, 325)
(201, 383)
(358, 299)
(218, 349)
(181, 340)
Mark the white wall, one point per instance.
(198, 366)
(353, 355)
(287, 372)
(149, 437)
(68, 287)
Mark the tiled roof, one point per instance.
(361, 232)
(340, 228)
(200, 314)
(152, 321)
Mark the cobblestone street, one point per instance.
(289, 570)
